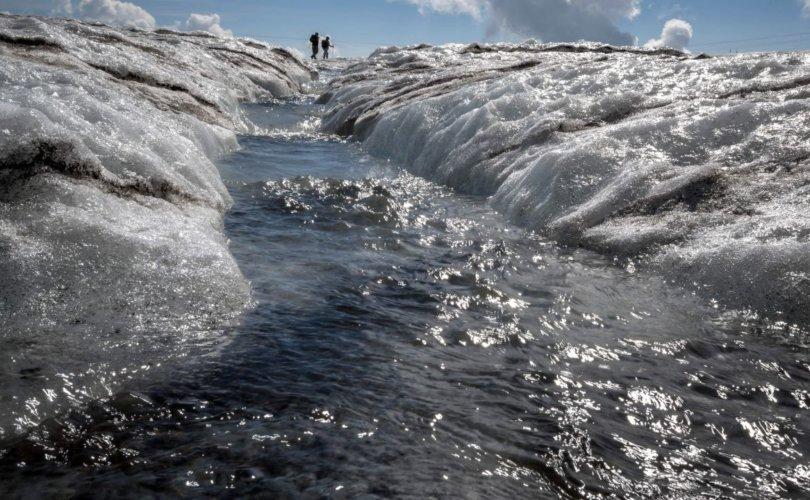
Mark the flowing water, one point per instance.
(407, 341)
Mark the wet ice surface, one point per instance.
(408, 341)
(696, 167)
(112, 259)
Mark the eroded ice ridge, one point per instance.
(698, 167)
(111, 252)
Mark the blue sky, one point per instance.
(358, 26)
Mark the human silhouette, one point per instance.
(314, 40)
(326, 44)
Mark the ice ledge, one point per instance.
(695, 167)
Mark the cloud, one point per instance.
(615, 10)
(207, 22)
(806, 8)
(123, 13)
(677, 34)
(549, 20)
(116, 13)
(474, 8)
(62, 7)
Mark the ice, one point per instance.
(696, 167)
(112, 257)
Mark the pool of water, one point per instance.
(407, 341)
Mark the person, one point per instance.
(314, 40)
(326, 45)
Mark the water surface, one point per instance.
(407, 341)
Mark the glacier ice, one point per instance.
(111, 250)
(695, 166)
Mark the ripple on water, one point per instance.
(406, 341)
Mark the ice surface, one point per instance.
(112, 259)
(698, 167)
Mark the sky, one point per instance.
(359, 26)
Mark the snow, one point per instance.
(696, 167)
(111, 207)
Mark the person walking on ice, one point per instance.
(326, 45)
(314, 41)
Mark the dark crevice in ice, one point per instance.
(690, 193)
(255, 62)
(42, 157)
(135, 77)
(33, 42)
(111, 38)
(349, 79)
(366, 115)
(767, 87)
(192, 34)
(285, 54)
(476, 48)
(571, 126)
(413, 68)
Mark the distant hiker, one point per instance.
(315, 40)
(326, 44)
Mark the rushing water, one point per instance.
(407, 341)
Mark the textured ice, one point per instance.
(112, 258)
(696, 166)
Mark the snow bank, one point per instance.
(111, 252)
(698, 167)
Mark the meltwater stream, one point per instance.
(408, 341)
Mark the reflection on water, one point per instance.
(406, 341)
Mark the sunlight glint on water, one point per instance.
(406, 340)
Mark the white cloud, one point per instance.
(207, 22)
(549, 20)
(123, 13)
(806, 8)
(677, 34)
(615, 10)
(474, 8)
(62, 7)
(116, 13)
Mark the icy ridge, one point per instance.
(696, 166)
(111, 250)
